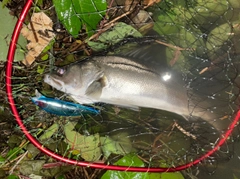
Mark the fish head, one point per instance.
(74, 79)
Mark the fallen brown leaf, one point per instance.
(39, 33)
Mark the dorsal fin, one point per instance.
(152, 56)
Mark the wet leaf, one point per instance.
(97, 46)
(211, 8)
(190, 37)
(5, 36)
(118, 33)
(67, 15)
(133, 160)
(40, 69)
(74, 14)
(29, 167)
(4, 3)
(205, 11)
(217, 37)
(118, 144)
(13, 153)
(186, 41)
(168, 23)
(174, 175)
(128, 160)
(33, 176)
(32, 151)
(113, 36)
(90, 12)
(234, 3)
(55, 171)
(87, 145)
(2, 159)
(12, 177)
(39, 2)
(46, 49)
(60, 177)
(14, 140)
(49, 132)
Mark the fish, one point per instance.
(133, 80)
(60, 107)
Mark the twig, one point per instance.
(86, 173)
(213, 63)
(177, 52)
(183, 130)
(117, 18)
(20, 159)
(109, 24)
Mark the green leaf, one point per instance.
(2, 159)
(97, 46)
(32, 151)
(60, 177)
(39, 2)
(174, 175)
(128, 160)
(90, 12)
(217, 37)
(118, 144)
(234, 3)
(113, 36)
(40, 69)
(28, 167)
(206, 8)
(86, 146)
(67, 15)
(168, 23)
(4, 3)
(49, 132)
(13, 153)
(12, 177)
(5, 36)
(118, 33)
(133, 160)
(46, 49)
(75, 13)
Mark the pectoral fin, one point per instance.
(94, 90)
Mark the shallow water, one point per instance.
(211, 75)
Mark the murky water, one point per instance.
(208, 63)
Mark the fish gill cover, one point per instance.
(193, 43)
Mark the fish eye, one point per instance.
(61, 71)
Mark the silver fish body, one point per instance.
(125, 82)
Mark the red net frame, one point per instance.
(36, 143)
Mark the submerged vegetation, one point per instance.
(200, 39)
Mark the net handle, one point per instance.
(10, 58)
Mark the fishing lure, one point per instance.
(60, 107)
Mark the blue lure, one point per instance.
(60, 107)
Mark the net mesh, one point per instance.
(200, 40)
